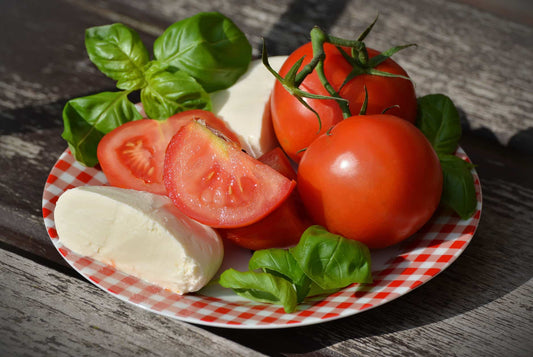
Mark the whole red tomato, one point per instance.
(296, 126)
(373, 178)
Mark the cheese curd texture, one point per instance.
(139, 233)
(245, 107)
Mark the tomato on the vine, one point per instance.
(132, 155)
(284, 226)
(296, 126)
(215, 183)
(373, 178)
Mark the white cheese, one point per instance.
(140, 234)
(245, 107)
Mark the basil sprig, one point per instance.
(321, 263)
(438, 119)
(193, 57)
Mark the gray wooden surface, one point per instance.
(481, 306)
(62, 317)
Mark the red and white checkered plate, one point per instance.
(396, 270)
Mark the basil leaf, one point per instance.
(314, 290)
(458, 191)
(207, 46)
(262, 287)
(281, 263)
(119, 53)
(168, 93)
(439, 120)
(87, 119)
(331, 260)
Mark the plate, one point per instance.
(396, 270)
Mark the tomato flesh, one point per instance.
(216, 183)
(296, 126)
(284, 226)
(375, 179)
(132, 155)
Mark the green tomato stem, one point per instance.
(318, 38)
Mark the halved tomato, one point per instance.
(281, 228)
(132, 155)
(216, 183)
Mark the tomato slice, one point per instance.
(216, 183)
(132, 155)
(284, 226)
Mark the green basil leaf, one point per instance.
(208, 46)
(281, 263)
(119, 53)
(439, 120)
(458, 191)
(314, 290)
(331, 260)
(169, 93)
(87, 119)
(262, 287)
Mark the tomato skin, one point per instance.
(277, 159)
(284, 226)
(132, 155)
(296, 126)
(375, 179)
(215, 183)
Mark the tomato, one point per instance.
(132, 155)
(296, 126)
(373, 178)
(277, 159)
(284, 226)
(216, 183)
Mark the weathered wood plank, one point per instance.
(481, 305)
(47, 313)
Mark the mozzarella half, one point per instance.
(139, 233)
(245, 107)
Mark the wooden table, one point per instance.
(476, 52)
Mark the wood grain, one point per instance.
(45, 312)
(480, 306)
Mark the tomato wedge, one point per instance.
(132, 155)
(284, 226)
(216, 183)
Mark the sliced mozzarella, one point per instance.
(245, 107)
(140, 234)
